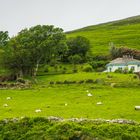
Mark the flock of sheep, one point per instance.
(88, 94)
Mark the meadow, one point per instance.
(122, 33)
(72, 100)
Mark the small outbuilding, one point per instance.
(126, 62)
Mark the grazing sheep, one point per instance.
(99, 103)
(66, 104)
(137, 107)
(89, 95)
(8, 98)
(38, 110)
(5, 105)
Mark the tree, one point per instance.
(75, 59)
(114, 51)
(78, 45)
(4, 37)
(34, 46)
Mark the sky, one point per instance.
(16, 15)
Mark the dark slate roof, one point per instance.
(125, 61)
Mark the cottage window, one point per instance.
(133, 68)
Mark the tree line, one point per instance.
(41, 44)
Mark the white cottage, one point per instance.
(122, 63)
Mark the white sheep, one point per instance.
(99, 103)
(8, 98)
(137, 107)
(38, 110)
(5, 105)
(89, 95)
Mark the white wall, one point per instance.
(113, 68)
(135, 67)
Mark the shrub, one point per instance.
(81, 81)
(109, 76)
(20, 80)
(97, 64)
(135, 76)
(100, 69)
(125, 71)
(89, 81)
(51, 82)
(64, 70)
(118, 71)
(131, 71)
(46, 68)
(66, 82)
(59, 82)
(56, 68)
(88, 68)
(75, 70)
(69, 82)
(99, 81)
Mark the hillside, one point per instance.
(122, 33)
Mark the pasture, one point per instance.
(72, 100)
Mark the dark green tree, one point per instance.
(33, 46)
(78, 45)
(4, 37)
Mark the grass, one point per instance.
(51, 99)
(122, 33)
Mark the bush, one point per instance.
(69, 82)
(81, 81)
(100, 69)
(135, 76)
(89, 81)
(98, 64)
(75, 70)
(59, 82)
(64, 70)
(56, 68)
(42, 129)
(20, 80)
(88, 68)
(109, 76)
(51, 82)
(46, 68)
(99, 81)
(118, 71)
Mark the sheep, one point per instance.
(99, 103)
(137, 107)
(8, 98)
(5, 105)
(38, 110)
(89, 95)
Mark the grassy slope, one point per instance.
(122, 33)
(117, 102)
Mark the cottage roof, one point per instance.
(124, 61)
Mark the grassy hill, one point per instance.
(124, 32)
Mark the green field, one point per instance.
(118, 102)
(122, 33)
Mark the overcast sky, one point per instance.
(67, 14)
